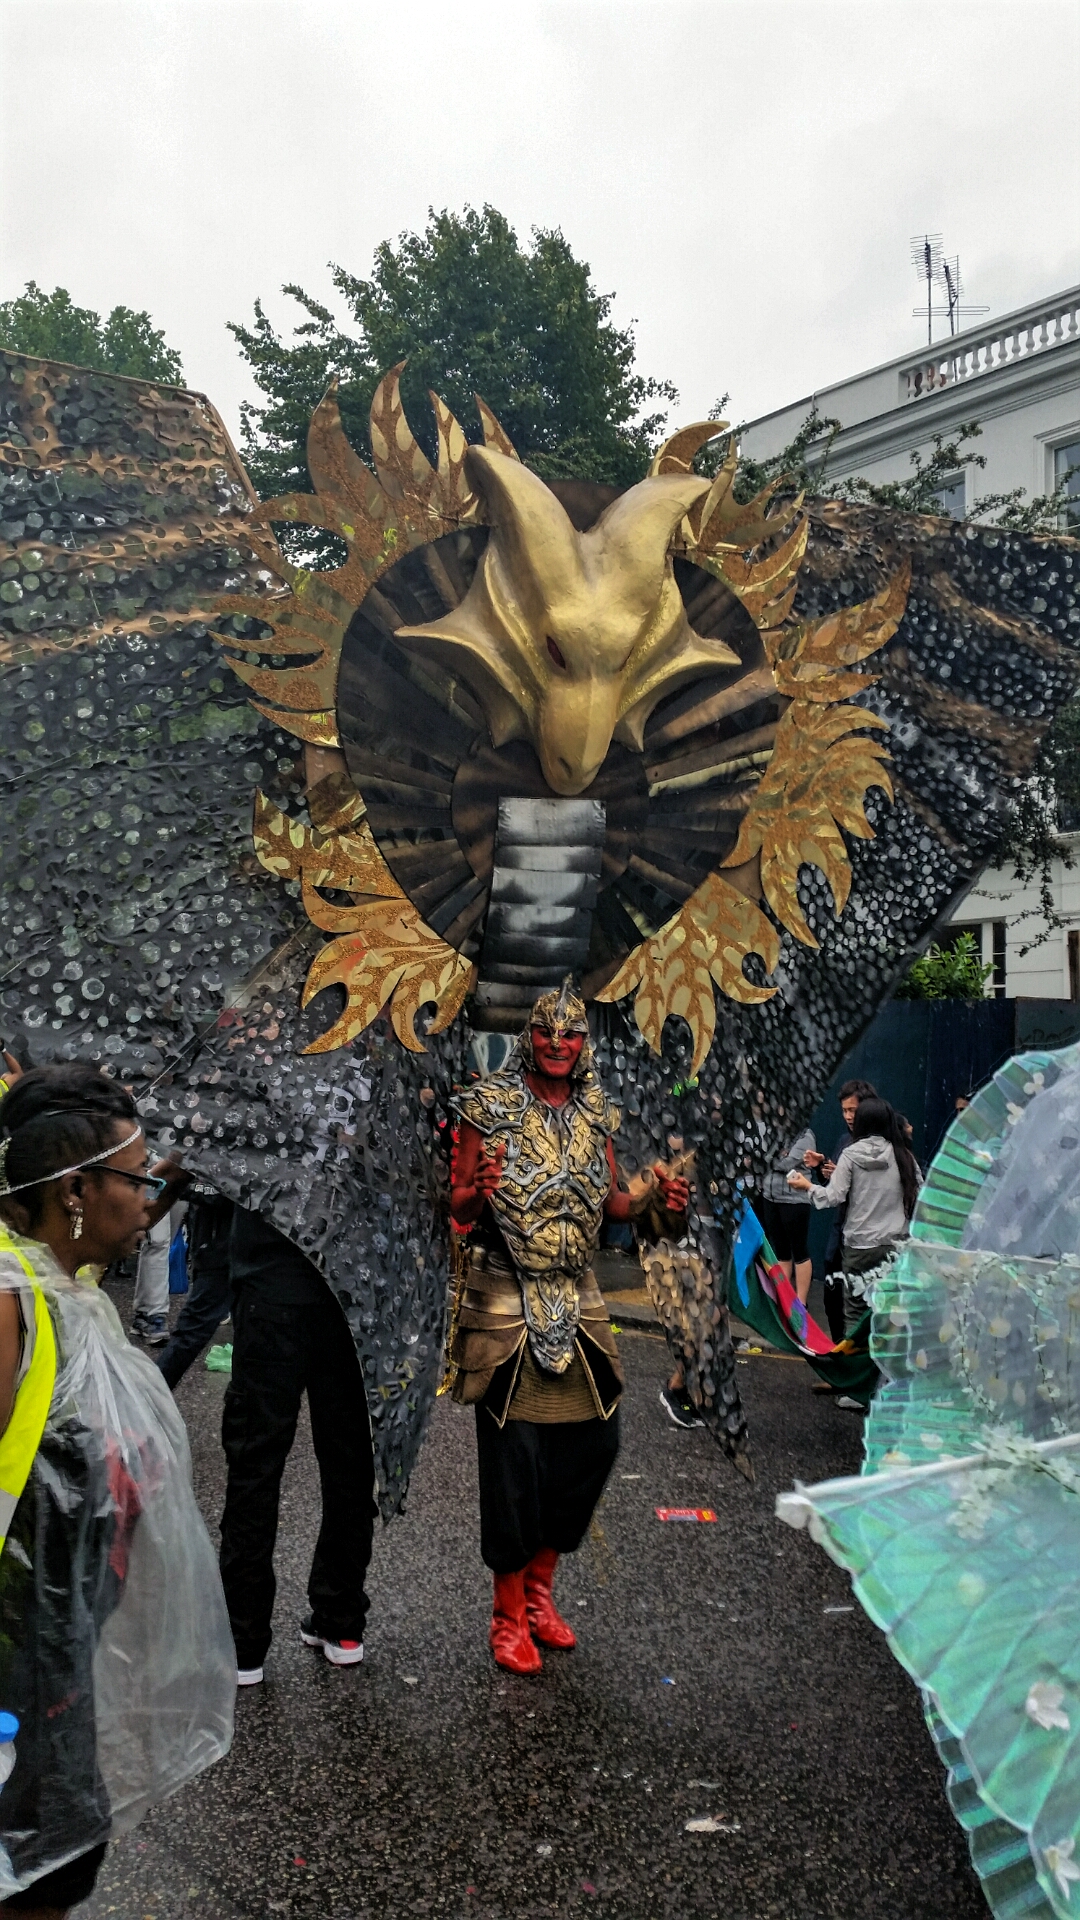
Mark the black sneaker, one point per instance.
(340, 1653)
(679, 1407)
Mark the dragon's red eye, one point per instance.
(555, 653)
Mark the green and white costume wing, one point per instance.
(962, 1534)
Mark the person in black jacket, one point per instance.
(207, 1226)
(290, 1336)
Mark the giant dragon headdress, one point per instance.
(650, 660)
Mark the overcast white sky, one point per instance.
(744, 175)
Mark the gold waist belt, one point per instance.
(506, 1300)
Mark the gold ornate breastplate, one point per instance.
(550, 1201)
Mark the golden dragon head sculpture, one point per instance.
(569, 639)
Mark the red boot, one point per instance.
(546, 1623)
(510, 1640)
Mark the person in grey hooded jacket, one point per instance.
(878, 1179)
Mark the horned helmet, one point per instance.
(559, 1011)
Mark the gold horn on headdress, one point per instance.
(560, 1011)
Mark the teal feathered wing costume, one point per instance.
(962, 1534)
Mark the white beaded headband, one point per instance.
(81, 1165)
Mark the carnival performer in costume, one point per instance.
(532, 1347)
(117, 1676)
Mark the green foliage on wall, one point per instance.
(947, 973)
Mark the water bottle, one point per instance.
(9, 1727)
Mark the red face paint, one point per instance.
(555, 1058)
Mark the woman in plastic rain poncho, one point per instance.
(117, 1672)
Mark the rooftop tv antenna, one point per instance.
(928, 259)
(954, 287)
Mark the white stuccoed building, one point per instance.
(1019, 377)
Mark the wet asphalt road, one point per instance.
(709, 1681)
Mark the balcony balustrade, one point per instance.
(1033, 330)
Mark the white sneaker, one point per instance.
(849, 1405)
(340, 1653)
(249, 1676)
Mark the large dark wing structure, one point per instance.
(140, 931)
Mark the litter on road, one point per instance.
(685, 1513)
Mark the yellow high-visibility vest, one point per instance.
(22, 1435)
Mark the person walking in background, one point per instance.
(851, 1093)
(785, 1214)
(209, 1299)
(150, 1306)
(291, 1337)
(876, 1180)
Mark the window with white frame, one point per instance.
(1067, 475)
(952, 496)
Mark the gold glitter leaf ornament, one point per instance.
(816, 781)
(390, 955)
(386, 952)
(823, 764)
(674, 971)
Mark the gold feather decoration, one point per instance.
(380, 515)
(674, 971)
(823, 764)
(821, 769)
(387, 952)
(384, 953)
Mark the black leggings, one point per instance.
(786, 1229)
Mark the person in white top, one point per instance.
(878, 1179)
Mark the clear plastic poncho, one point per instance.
(115, 1649)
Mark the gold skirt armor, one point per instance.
(493, 1361)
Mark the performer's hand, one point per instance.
(800, 1182)
(812, 1159)
(674, 1194)
(13, 1070)
(489, 1171)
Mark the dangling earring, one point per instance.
(76, 1223)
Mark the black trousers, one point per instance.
(279, 1352)
(208, 1303)
(786, 1228)
(539, 1485)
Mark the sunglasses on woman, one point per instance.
(152, 1182)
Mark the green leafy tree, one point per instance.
(947, 973)
(473, 311)
(52, 327)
